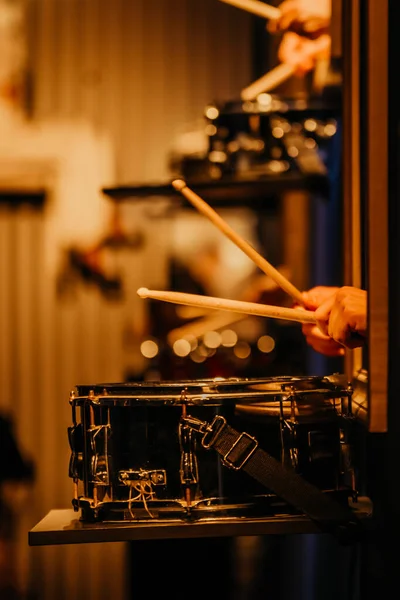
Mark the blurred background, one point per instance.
(101, 105)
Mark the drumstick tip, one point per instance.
(179, 184)
(143, 292)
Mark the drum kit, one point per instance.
(218, 448)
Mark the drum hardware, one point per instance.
(251, 138)
(189, 471)
(305, 153)
(143, 483)
(153, 477)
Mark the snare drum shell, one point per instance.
(134, 460)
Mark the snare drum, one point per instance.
(133, 456)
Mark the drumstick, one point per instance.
(239, 306)
(256, 7)
(268, 82)
(263, 264)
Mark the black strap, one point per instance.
(241, 451)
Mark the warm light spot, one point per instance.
(264, 100)
(228, 338)
(266, 343)
(259, 145)
(278, 166)
(204, 351)
(233, 146)
(181, 347)
(192, 341)
(197, 357)
(212, 339)
(216, 156)
(211, 112)
(149, 349)
(292, 151)
(310, 125)
(242, 350)
(248, 106)
(277, 132)
(211, 130)
(310, 143)
(330, 129)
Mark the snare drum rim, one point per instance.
(211, 392)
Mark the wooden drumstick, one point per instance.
(257, 8)
(261, 262)
(250, 308)
(267, 82)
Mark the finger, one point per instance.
(338, 327)
(323, 313)
(307, 328)
(304, 65)
(324, 344)
(288, 17)
(313, 331)
(317, 295)
(328, 348)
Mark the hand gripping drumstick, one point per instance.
(256, 7)
(239, 306)
(263, 264)
(279, 74)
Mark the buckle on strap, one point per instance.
(250, 449)
(209, 431)
(212, 431)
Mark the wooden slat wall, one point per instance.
(140, 71)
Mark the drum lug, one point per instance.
(75, 437)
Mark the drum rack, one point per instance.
(64, 526)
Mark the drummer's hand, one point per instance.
(302, 53)
(306, 17)
(319, 341)
(343, 316)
